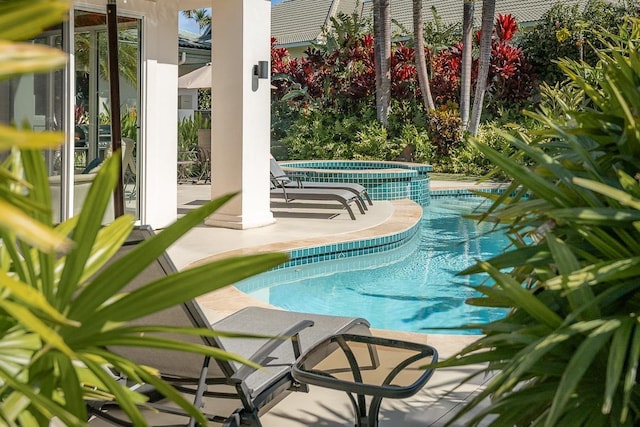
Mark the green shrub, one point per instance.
(419, 138)
(567, 352)
(324, 134)
(188, 131)
(371, 142)
(445, 129)
(566, 32)
(556, 100)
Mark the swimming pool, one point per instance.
(410, 288)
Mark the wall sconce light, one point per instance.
(261, 70)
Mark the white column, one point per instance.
(158, 145)
(240, 110)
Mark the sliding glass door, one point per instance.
(41, 102)
(92, 100)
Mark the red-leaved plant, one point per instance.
(345, 77)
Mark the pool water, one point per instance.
(412, 288)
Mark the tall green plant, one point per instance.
(61, 308)
(563, 32)
(567, 353)
(188, 131)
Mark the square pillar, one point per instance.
(241, 112)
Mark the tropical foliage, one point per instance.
(324, 103)
(61, 306)
(567, 353)
(565, 32)
(511, 79)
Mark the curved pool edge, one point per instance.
(405, 218)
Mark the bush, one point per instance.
(323, 106)
(567, 352)
(188, 131)
(511, 79)
(445, 129)
(567, 32)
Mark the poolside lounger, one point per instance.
(194, 374)
(281, 179)
(344, 197)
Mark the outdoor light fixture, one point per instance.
(261, 70)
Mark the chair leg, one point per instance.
(242, 418)
(366, 195)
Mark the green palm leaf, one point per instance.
(22, 58)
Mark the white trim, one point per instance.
(67, 152)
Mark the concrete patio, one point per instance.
(432, 406)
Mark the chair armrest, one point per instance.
(267, 348)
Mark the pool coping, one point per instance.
(399, 228)
(406, 216)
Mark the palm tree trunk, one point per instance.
(382, 47)
(421, 63)
(467, 60)
(488, 12)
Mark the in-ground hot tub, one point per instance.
(383, 180)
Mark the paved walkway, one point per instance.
(430, 407)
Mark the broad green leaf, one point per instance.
(107, 243)
(523, 298)
(12, 407)
(537, 184)
(577, 367)
(32, 323)
(621, 196)
(175, 397)
(592, 275)
(630, 116)
(46, 406)
(119, 273)
(630, 378)
(118, 390)
(169, 291)
(89, 224)
(24, 58)
(36, 173)
(145, 375)
(132, 330)
(580, 296)
(31, 231)
(531, 255)
(38, 15)
(151, 342)
(32, 298)
(527, 358)
(617, 358)
(73, 396)
(596, 216)
(11, 137)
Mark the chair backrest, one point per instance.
(204, 154)
(128, 162)
(278, 176)
(170, 363)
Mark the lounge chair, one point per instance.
(281, 179)
(194, 374)
(344, 197)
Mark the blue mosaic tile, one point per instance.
(405, 181)
(403, 245)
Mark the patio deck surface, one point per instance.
(295, 228)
